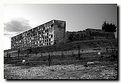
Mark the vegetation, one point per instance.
(72, 36)
(109, 27)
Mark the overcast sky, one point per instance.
(18, 18)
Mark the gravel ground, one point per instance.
(60, 72)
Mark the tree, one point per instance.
(71, 37)
(108, 27)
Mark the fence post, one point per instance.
(62, 56)
(18, 53)
(78, 52)
(49, 59)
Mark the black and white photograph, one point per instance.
(61, 42)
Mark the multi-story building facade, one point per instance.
(49, 33)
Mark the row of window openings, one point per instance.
(34, 41)
(44, 41)
(44, 38)
(41, 37)
(37, 33)
(21, 45)
(41, 31)
(44, 27)
(39, 42)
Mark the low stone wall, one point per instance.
(85, 52)
(71, 52)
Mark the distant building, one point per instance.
(100, 34)
(50, 33)
(89, 34)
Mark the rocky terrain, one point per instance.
(92, 70)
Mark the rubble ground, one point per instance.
(102, 70)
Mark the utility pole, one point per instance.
(79, 52)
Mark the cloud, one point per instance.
(17, 25)
(10, 34)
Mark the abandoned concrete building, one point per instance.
(51, 38)
(49, 33)
(54, 32)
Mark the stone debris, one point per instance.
(60, 72)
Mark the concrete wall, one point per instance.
(75, 52)
(59, 31)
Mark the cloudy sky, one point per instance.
(19, 18)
